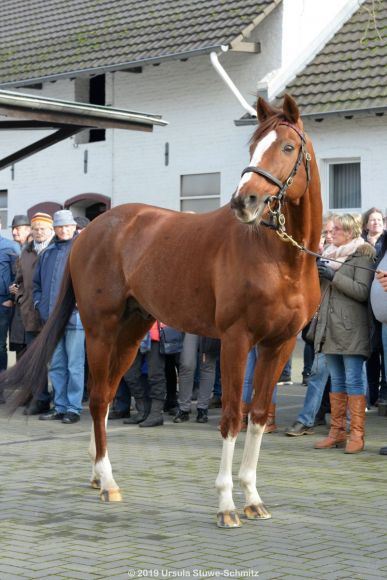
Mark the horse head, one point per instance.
(279, 164)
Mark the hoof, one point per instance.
(228, 520)
(111, 495)
(95, 483)
(257, 512)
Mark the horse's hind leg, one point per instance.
(108, 360)
(269, 366)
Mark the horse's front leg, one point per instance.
(269, 366)
(233, 362)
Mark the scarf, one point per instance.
(341, 253)
(40, 246)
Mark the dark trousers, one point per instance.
(171, 378)
(156, 386)
(5, 320)
(44, 396)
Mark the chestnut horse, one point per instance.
(221, 274)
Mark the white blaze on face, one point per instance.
(261, 148)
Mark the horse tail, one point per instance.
(28, 377)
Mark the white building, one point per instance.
(158, 61)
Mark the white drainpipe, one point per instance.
(222, 73)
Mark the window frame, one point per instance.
(210, 196)
(326, 182)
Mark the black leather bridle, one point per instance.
(274, 202)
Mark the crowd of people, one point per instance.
(344, 369)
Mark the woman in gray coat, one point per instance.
(343, 329)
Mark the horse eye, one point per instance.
(288, 148)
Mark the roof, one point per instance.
(50, 39)
(68, 118)
(350, 73)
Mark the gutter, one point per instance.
(224, 76)
(318, 117)
(112, 68)
(22, 102)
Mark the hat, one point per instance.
(64, 217)
(41, 217)
(81, 222)
(20, 220)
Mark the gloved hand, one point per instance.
(325, 271)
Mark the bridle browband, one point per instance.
(274, 202)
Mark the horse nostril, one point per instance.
(252, 198)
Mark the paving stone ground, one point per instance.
(329, 509)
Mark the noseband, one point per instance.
(274, 202)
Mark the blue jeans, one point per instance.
(308, 359)
(5, 320)
(347, 373)
(314, 393)
(67, 369)
(122, 399)
(217, 384)
(247, 393)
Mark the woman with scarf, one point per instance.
(342, 334)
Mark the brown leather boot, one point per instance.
(357, 407)
(337, 435)
(270, 426)
(245, 415)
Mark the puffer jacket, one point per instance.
(343, 324)
(47, 280)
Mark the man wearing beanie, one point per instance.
(67, 364)
(42, 232)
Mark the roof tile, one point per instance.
(350, 72)
(56, 37)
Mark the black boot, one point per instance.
(143, 407)
(202, 416)
(155, 417)
(2, 399)
(37, 407)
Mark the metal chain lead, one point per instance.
(285, 237)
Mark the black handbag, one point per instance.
(309, 331)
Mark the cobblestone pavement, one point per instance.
(329, 509)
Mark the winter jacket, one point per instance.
(24, 279)
(343, 325)
(47, 280)
(9, 251)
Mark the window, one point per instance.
(90, 90)
(344, 185)
(200, 192)
(4, 208)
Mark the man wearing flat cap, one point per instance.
(9, 251)
(67, 363)
(21, 229)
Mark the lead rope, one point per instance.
(285, 237)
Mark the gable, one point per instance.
(350, 73)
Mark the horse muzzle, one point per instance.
(248, 208)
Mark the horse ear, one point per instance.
(290, 109)
(264, 110)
